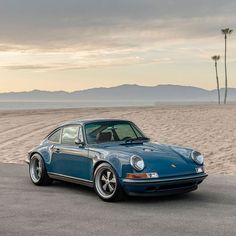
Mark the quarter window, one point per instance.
(55, 137)
(70, 134)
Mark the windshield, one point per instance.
(112, 131)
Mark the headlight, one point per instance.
(137, 163)
(197, 157)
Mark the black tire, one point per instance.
(37, 171)
(105, 179)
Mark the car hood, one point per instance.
(145, 150)
(158, 158)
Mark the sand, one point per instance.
(211, 129)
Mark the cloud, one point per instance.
(27, 67)
(73, 62)
(56, 24)
(77, 34)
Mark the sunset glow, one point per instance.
(75, 45)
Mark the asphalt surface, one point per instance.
(68, 209)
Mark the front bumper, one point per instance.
(162, 186)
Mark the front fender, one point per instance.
(119, 161)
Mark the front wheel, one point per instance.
(106, 183)
(37, 171)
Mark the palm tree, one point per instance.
(226, 32)
(217, 58)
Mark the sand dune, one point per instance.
(210, 129)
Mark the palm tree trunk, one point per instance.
(226, 80)
(217, 82)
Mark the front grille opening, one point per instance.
(173, 186)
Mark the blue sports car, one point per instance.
(115, 158)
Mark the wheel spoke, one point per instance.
(105, 186)
(111, 189)
(103, 178)
(113, 180)
(108, 174)
(38, 171)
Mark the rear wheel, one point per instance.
(37, 171)
(106, 183)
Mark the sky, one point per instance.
(80, 44)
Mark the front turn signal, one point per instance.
(142, 175)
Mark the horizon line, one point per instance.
(120, 85)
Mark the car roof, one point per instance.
(87, 121)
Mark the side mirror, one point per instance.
(79, 143)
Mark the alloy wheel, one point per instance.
(35, 169)
(106, 182)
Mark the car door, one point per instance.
(68, 158)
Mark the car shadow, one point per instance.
(160, 199)
(73, 187)
(80, 189)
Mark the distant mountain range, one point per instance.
(160, 93)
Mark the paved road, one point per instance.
(67, 209)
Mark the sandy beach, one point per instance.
(210, 129)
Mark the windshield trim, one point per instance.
(132, 125)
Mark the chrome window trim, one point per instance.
(81, 132)
(133, 126)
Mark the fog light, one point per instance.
(200, 169)
(152, 175)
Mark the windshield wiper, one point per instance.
(131, 140)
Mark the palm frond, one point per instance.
(215, 57)
(226, 31)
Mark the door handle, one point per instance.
(55, 149)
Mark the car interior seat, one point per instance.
(103, 137)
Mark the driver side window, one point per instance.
(70, 134)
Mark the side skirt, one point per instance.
(70, 179)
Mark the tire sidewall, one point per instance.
(118, 193)
(44, 175)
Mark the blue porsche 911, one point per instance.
(115, 158)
